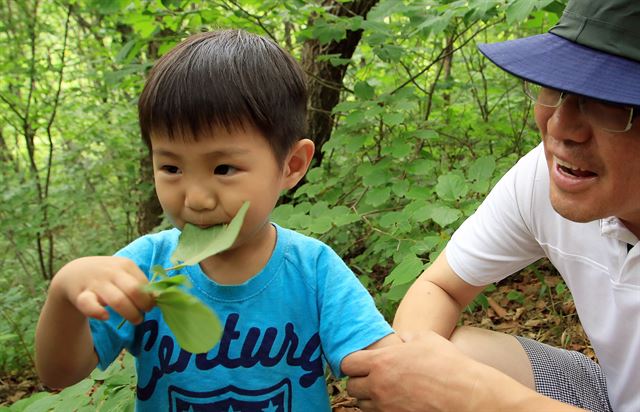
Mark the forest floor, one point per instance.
(533, 304)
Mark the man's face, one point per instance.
(593, 173)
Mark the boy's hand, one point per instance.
(91, 283)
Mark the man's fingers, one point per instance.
(357, 363)
(367, 406)
(358, 388)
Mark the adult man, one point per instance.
(575, 199)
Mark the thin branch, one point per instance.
(13, 108)
(442, 55)
(256, 19)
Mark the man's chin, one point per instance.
(576, 213)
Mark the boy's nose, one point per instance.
(568, 122)
(199, 199)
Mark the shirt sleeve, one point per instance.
(498, 239)
(349, 319)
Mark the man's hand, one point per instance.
(415, 376)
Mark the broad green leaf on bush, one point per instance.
(377, 196)
(320, 224)
(397, 292)
(482, 168)
(43, 404)
(22, 404)
(444, 215)
(406, 271)
(194, 324)
(451, 187)
(363, 90)
(196, 244)
(519, 10)
(75, 397)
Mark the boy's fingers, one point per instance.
(120, 302)
(89, 305)
(132, 288)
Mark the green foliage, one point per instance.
(112, 390)
(424, 127)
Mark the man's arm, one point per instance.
(434, 301)
(431, 374)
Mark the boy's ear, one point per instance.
(297, 162)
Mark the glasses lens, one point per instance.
(607, 116)
(544, 96)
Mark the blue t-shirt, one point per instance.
(305, 308)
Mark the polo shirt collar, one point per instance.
(612, 227)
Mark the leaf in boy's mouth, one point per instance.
(195, 325)
(196, 244)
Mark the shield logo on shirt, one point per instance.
(232, 399)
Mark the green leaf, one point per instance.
(444, 215)
(514, 295)
(363, 91)
(160, 286)
(196, 328)
(451, 187)
(482, 168)
(409, 269)
(196, 244)
(519, 10)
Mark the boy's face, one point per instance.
(206, 182)
(593, 173)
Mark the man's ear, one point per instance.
(297, 162)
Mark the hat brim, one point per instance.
(552, 61)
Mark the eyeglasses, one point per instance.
(610, 117)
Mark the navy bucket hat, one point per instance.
(594, 50)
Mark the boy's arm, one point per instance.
(64, 344)
(434, 301)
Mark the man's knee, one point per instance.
(498, 350)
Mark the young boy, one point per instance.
(223, 114)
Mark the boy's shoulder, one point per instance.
(154, 243)
(302, 249)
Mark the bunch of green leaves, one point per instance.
(111, 390)
(195, 326)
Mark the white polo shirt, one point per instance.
(516, 225)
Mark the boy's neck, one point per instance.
(237, 265)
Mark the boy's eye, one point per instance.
(170, 169)
(224, 170)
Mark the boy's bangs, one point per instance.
(230, 80)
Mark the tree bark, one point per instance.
(149, 210)
(325, 81)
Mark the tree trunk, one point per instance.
(325, 80)
(149, 210)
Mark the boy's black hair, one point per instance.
(225, 78)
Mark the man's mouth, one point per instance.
(573, 170)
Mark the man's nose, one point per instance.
(569, 122)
